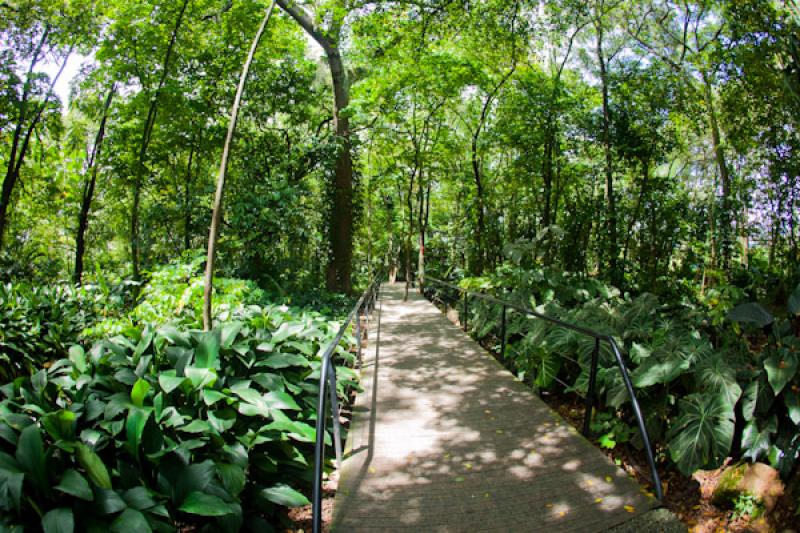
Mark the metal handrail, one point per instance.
(327, 381)
(591, 393)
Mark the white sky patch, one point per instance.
(71, 71)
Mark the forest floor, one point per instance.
(689, 497)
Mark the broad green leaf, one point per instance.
(713, 374)
(781, 368)
(95, 469)
(280, 400)
(139, 498)
(757, 441)
(794, 301)
(130, 521)
(193, 478)
(283, 494)
(203, 504)
(703, 432)
(139, 391)
(78, 358)
(283, 360)
(659, 369)
(792, 400)
(232, 477)
(169, 382)
(751, 313)
(75, 484)
(134, 427)
(207, 352)
(201, 377)
(30, 456)
(210, 397)
(107, 502)
(59, 520)
(284, 331)
(228, 333)
(60, 425)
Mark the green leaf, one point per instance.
(75, 484)
(169, 382)
(716, 376)
(130, 521)
(203, 504)
(139, 391)
(78, 358)
(232, 477)
(201, 377)
(792, 400)
(59, 521)
(210, 397)
(134, 427)
(107, 502)
(207, 352)
(756, 442)
(751, 313)
(193, 478)
(659, 369)
(284, 360)
(228, 333)
(11, 480)
(139, 498)
(794, 301)
(30, 456)
(781, 368)
(284, 495)
(280, 400)
(95, 469)
(703, 432)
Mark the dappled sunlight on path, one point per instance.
(445, 439)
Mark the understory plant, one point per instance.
(708, 388)
(166, 427)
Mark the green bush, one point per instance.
(698, 367)
(166, 427)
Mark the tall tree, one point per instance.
(216, 216)
(327, 32)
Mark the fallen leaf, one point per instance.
(498, 431)
(459, 479)
(468, 466)
(371, 470)
(562, 513)
(629, 508)
(609, 479)
(548, 505)
(598, 500)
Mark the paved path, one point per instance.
(444, 438)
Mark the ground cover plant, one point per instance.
(156, 423)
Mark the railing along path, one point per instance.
(591, 395)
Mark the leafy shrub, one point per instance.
(166, 426)
(696, 370)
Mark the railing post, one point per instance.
(337, 431)
(503, 335)
(466, 309)
(358, 334)
(319, 452)
(590, 393)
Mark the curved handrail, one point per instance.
(327, 382)
(590, 396)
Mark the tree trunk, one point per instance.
(147, 132)
(22, 136)
(88, 190)
(187, 202)
(338, 272)
(725, 218)
(611, 207)
(216, 216)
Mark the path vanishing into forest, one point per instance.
(443, 438)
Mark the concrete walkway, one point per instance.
(444, 438)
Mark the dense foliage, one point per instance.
(708, 389)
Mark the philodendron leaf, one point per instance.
(75, 484)
(139, 391)
(95, 469)
(781, 368)
(751, 313)
(284, 495)
(134, 427)
(703, 432)
(169, 382)
(59, 520)
(30, 456)
(792, 400)
(203, 504)
(794, 301)
(756, 442)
